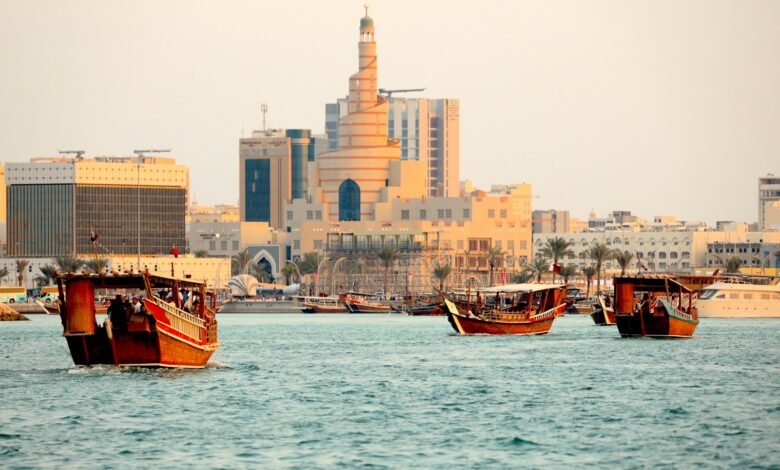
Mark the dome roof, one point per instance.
(366, 22)
(243, 285)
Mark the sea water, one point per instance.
(330, 391)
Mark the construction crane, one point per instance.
(78, 153)
(389, 93)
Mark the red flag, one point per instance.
(175, 252)
(556, 268)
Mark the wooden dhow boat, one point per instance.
(162, 334)
(603, 313)
(656, 306)
(329, 304)
(515, 309)
(364, 303)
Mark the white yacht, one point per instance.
(740, 300)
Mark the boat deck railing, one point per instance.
(676, 311)
(179, 320)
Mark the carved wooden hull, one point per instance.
(662, 322)
(465, 325)
(355, 307)
(315, 308)
(427, 310)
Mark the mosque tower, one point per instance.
(352, 177)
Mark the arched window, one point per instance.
(349, 201)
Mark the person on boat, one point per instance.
(136, 305)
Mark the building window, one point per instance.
(296, 244)
(309, 215)
(223, 245)
(466, 213)
(318, 244)
(405, 214)
(258, 196)
(235, 245)
(349, 201)
(441, 213)
(498, 244)
(289, 215)
(423, 214)
(318, 215)
(460, 244)
(212, 245)
(491, 213)
(503, 213)
(448, 213)
(510, 245)
(523, 244)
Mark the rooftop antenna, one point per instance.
(263, 109)
(389, 93)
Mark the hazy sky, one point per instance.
(658, 107)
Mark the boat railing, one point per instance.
(180, 320)
(676, 311)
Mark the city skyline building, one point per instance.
(769, 202)
(134, 205)
(273, 170)
(428, 130)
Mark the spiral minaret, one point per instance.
(355, 174)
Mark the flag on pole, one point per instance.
(93, 235)
(555, 268)
(175, 251)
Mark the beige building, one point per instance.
(362, 196)
(215, 230)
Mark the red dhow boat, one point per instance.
(364, 303)
(161, 335)
(654, 306)
(517, 309)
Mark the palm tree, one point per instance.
(21, 266)
(3, 274)
(310, 262)
(599, 253)
(240, 262)
(441, 272)
(41, 281)
(540, 266)
(733, 264)
(259, 272)
(623, 259)
(494, 257)
(567, 272)
(49, 272)
(97, 265)
(522, 277)
(388, 255)
(588, 272)
(556, 248)
(200, 253)
(68, 264)
(291, 269)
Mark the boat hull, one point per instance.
(367, 308)
(603, 319)
(136, 349)
(327, 308)
(427, 310)
(655, 326)
(465, 325)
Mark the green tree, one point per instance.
(556, 248)
(539, 266)
(97, 265)
(201, 253)
(623, 259)
(290, 269)
(68, 264)
(588, 272)
(21, 270)
(522, 277)
(600, 254)
(568, 272)
(388, 255)
(240, 262)
(494, 258)
(733, 264)
(259, 272)
(49, 272)
(310, 262)
(441, 272)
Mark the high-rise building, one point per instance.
(134, 205)
(428, 130)
(273, 170)
(550, 221)
(769, 202)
